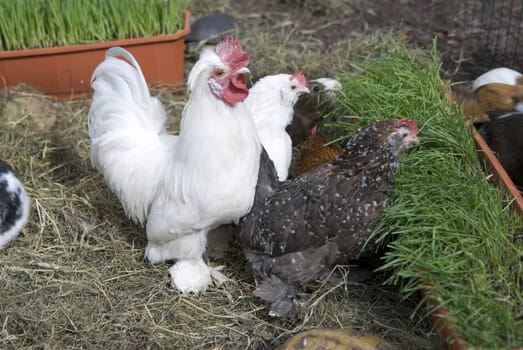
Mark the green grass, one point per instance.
(447, 224)
(28, 24)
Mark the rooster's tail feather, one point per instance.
(121, 97)
(129, 142)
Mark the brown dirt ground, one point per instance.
(453, 23)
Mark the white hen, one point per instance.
(271, 102)
(185, 185)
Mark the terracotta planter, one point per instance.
(446, 329)
(66, 71)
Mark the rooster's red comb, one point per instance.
(300, 77)
(410, 123)
(231, 53)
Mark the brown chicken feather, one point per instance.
(313, 153)
(299, 229)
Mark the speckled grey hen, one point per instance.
(299, 229)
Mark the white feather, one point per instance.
(271, 102)
(500, 75)
(182, 186)
(129, 144)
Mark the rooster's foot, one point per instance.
(190, 275)
(194, 276)
(218, 277)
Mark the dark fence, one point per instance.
(489, 33)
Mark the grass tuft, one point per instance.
(26, 24)
(448, 225)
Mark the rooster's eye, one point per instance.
(219, 72)
(293, 87)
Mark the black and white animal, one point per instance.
(14, 205)
(299, 229)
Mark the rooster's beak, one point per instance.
(243, 70)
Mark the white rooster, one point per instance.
(181, 186)
(271, 101)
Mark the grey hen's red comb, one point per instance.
(410, 123)
(231, 53)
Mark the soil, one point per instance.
(472, 36)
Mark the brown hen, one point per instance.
(309, 144)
